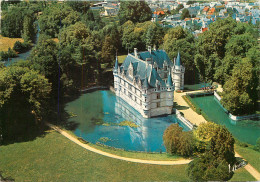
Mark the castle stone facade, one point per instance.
(144, 81)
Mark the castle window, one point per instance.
(158, 96)
(130, 95)
(165, 68)
(158, 104)
(145, 99)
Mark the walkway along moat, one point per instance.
(100, 112)
(244, 130)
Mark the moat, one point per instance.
(99, 113)
(245, 130)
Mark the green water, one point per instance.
(245, 130)
(97, 117)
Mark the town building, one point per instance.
(145, 81)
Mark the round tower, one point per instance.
(178, 73)
(116, 78)
(170, 89)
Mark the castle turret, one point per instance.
(178, 73)
(116, 78)
(170, 89)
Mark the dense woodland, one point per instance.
(87, 44)
(228, 53)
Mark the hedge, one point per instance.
(192, 104)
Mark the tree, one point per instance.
(178, 142)
(12, 22)
(21, 47)
(222, 145)
(79, 6)
(208, 168)
(83, 47)
(185, 14)
(55, 17)
(238, 97)
(44, 59)
(23, 96)
(211, 44)
(179, 40)
(141, 34)
(28, 28)
(108, 51)
(135, 11)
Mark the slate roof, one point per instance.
(144, 71)
(169, 81)
(178, 60)
(158, 56)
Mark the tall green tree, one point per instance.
(44, 59)
(180, 40)
(211, 44)
(55, 17)
(23, 100)
(28, 28)
(222, 145)
(84, 47)
(141, 34)
(238, 97)
(12, 21)
(177, 141)
(135, 11)
(108, 51)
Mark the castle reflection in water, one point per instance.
(150, 131)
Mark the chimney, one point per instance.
(135, 51)
(154, 47)
(150, 49)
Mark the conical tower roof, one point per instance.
(178, 60)
(116, 63)
(169, 80)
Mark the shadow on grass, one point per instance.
(5, 179)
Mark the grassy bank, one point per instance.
(242, 175)
(137, 155)
(252, 156)
(55, 158)
(121, 59)
(192, 104)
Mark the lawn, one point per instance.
(242, 175)
(6, 42)
(121, 59)
(252, 156)
(55, 158)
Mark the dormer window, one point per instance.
(131, 70)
